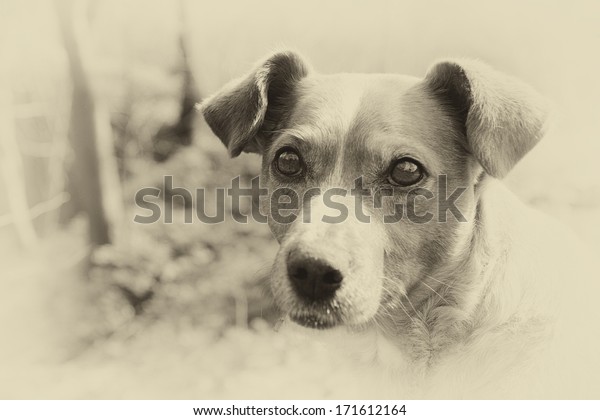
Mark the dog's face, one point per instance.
(391, 135)
(353, 153)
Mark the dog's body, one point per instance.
(461, 305)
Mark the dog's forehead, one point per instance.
(365, 118)
(335, 101)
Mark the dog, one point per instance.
(474, 302)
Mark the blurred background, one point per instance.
(96, 102)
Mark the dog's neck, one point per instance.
(451, 301)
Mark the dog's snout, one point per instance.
(313, 278)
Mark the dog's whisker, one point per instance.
(434, 291)
(439, 281)
(399, 288)
(406, 312)
(402, 293)
(386, 289)
(414, 309)
(386, 310)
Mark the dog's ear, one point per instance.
(501, 117)
(245, 112)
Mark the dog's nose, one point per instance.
(313, 278)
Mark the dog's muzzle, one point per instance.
(329, 274)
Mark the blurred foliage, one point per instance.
(213, 276)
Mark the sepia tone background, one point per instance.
(96, 102)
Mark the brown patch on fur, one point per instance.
(244, 114)
(503, 118)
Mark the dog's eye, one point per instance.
(405, 172)
(288, 162)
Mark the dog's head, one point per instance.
(380, 173)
